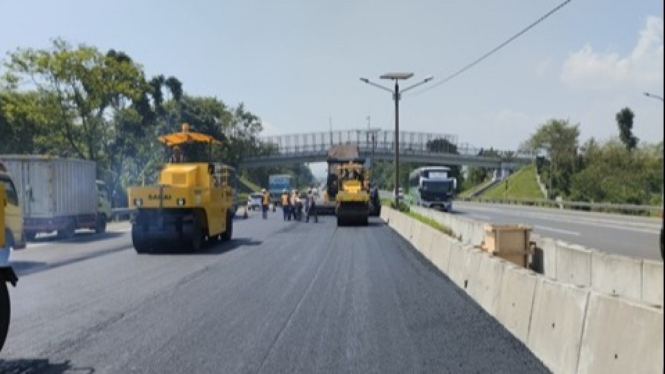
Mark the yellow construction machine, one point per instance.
(7, 274)
(353, 195)
(191, 204)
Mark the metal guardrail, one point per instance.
(558, 204)
(118, 213)
(562, 204)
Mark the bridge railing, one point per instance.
(378, 141)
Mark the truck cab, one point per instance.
(13, 230)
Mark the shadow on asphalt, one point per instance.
(22, 267)
(30, 366)
(210, 249)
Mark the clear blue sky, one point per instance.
(296, 63)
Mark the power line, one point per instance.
(497, 48)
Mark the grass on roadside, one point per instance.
(521, 185)
(428, 221)
(249, 184)
(435, 224)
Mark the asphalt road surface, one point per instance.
(611, 233)
(282, 297)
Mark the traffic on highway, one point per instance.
(221, 188)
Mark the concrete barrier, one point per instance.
(616, 275)
(621, 336)
(457, 264)
(417, 230)
(439, 251)
(429, 234)
(572, 329)
(544, 257)
(518, 288)
(464, 263)
(486, 287)
(557, 320)
(652, 282)
(573, 264)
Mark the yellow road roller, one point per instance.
(191, 204)
(353, 198)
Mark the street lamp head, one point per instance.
(364, 80)
(396, 76)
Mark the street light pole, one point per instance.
(396, 97)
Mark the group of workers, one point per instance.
(293, 205)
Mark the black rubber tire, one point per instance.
(30, 235)
(5, 313)
(139, 240)
(69, 231)
(100, 225)
(228, 232)
(195, 238)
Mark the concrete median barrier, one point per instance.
(621, 336)
(573, 264)
(616, 275)
(415, 234)
(518, 288)
(428, 234)
(544, 257)
(456, 264)
(557, 320)
(652, 282)
(439, 251)
(486, 288)
(464, 262)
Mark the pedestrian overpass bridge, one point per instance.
(428, 148)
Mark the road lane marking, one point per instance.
(560, 231)
(480, 216)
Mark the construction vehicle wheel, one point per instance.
(139, 240)
(5, 313)
(228, 233)
(194, 241)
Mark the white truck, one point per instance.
(58, 194)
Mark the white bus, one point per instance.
(432, 187)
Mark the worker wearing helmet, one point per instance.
(265, 203)
(296, 205)
(286, 205)
(311, 209)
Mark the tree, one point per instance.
(560, 139)
(624, 120)
(441, 145)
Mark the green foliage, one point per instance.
(618, 171)
(433, 223)
(402, 207)
(560, 139)
(75, 101)
(624, 120)
(520, 185)
(612, 173)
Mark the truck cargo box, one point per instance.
(52, 187)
